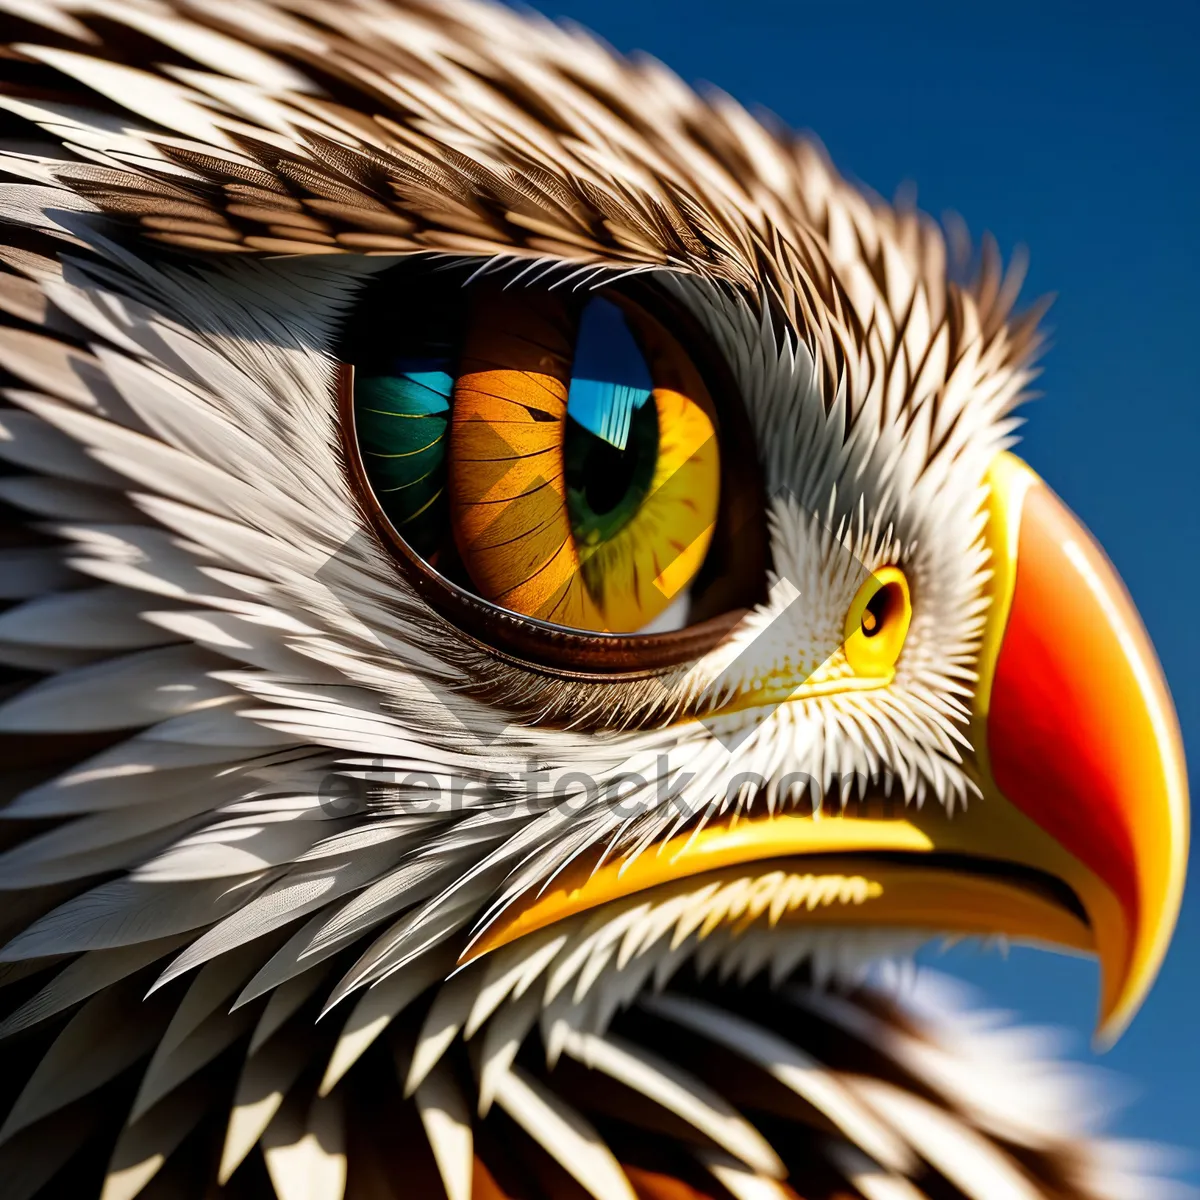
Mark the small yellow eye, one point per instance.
(877, 623)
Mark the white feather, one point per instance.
(792, 1067)
(264, 1082)
(564, 1135)
(305, 1152)
(124, 912)
(680, 1092)
(296, 893)
(283, 1002)
(103, 618)
(109, 1033)
(65, 500)
(119, 693)
(142, 1147)
(446, 1117)
(443, 1023)
(870, 1178)
(215, 1034)
(85, 976)
(740, 1183)
(29, 442)
(377, 1007)
(47, 363)
(498, 1046)
(975, 1165)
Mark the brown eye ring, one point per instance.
(739, 536)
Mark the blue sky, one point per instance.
(1071, 129)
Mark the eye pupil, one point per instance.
(605, 485)
(875, 614)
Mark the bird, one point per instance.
(522, 617)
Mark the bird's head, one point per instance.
(605, 565)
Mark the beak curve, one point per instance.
(1078, 841)
(1074, 727)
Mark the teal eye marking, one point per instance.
(402, 422)
(609, 377)
(610, 445)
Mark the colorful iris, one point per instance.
(560, 457)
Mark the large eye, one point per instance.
(557, 456)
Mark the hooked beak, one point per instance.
(1075, 728)
(1079, 839)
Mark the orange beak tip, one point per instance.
(1080, 734)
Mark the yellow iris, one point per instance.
(527, 533)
